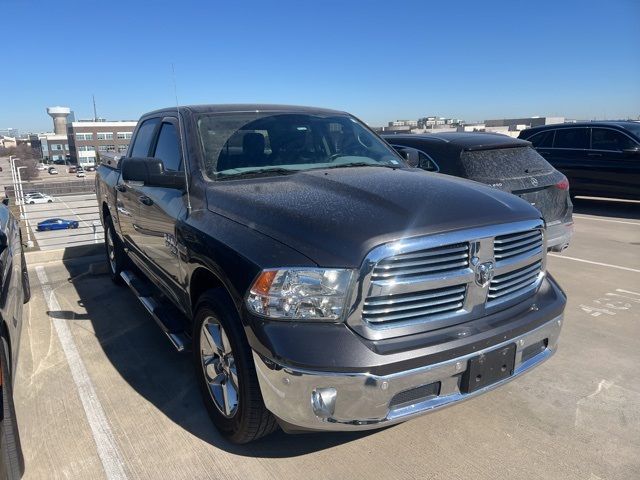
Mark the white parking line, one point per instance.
(595, 263)
(105, 442)
(589, 217)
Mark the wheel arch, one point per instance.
(203, 279)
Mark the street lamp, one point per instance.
(12, 163)
(24, 210)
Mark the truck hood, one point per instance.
(335, 217)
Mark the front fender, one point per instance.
(231, 252)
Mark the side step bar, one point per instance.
(166, 316)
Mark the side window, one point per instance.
(168, 147)
(543, 139)
(426, 162)
(577, 138)
(144, 137)
(416, 158)
(607, 139)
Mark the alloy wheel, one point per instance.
(219, 367)
(111, 251)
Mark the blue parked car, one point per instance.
(57, 224)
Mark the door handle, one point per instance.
(145, 200)
(594, 154)
(121, 188)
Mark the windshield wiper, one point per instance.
(363, 164)
(258, 171)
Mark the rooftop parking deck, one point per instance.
(100, 392)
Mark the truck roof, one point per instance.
(247, 107)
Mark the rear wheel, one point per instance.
(226, 373)
(116, 256)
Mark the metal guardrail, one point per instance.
(71, 187)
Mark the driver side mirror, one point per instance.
(150, 171)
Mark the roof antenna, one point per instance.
(182, 140)
(95, 114)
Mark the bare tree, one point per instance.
(27, 157)
(29, 173)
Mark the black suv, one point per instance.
(505, 163)
(600, 159)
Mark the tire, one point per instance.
(250, 419)
(116, 256)
(26, 286)
(32, 203)
(49, 201)
(11, 450)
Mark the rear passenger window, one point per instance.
(607, 139)
(168, 147)
(572, 138)
(543, 139)
(144, 137)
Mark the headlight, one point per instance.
(300, 293)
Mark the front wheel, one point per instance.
(49, 201)
(226, 373)
(32, 203)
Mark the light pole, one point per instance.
(13, 177)
(22, 206)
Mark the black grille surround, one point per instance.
(414, 286)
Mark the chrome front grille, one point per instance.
(426, 283)
(519, 243)
(423, 262)
(514, 282)
(392, 308)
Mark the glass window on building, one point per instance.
(105, 136)
(122, 148)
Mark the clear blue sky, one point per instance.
(379, 60)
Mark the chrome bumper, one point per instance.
(559, 235)
(309, 400)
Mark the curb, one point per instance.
(63, 254)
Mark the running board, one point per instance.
(165, 315)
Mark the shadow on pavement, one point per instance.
(146, 360)
(607, 208)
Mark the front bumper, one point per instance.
(341, 401)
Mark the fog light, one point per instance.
(323, 401)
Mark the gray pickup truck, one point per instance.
(320, 282)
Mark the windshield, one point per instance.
(262, 143)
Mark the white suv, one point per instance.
(37, 197)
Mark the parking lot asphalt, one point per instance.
(100, 392)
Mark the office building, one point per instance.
(88, 138)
